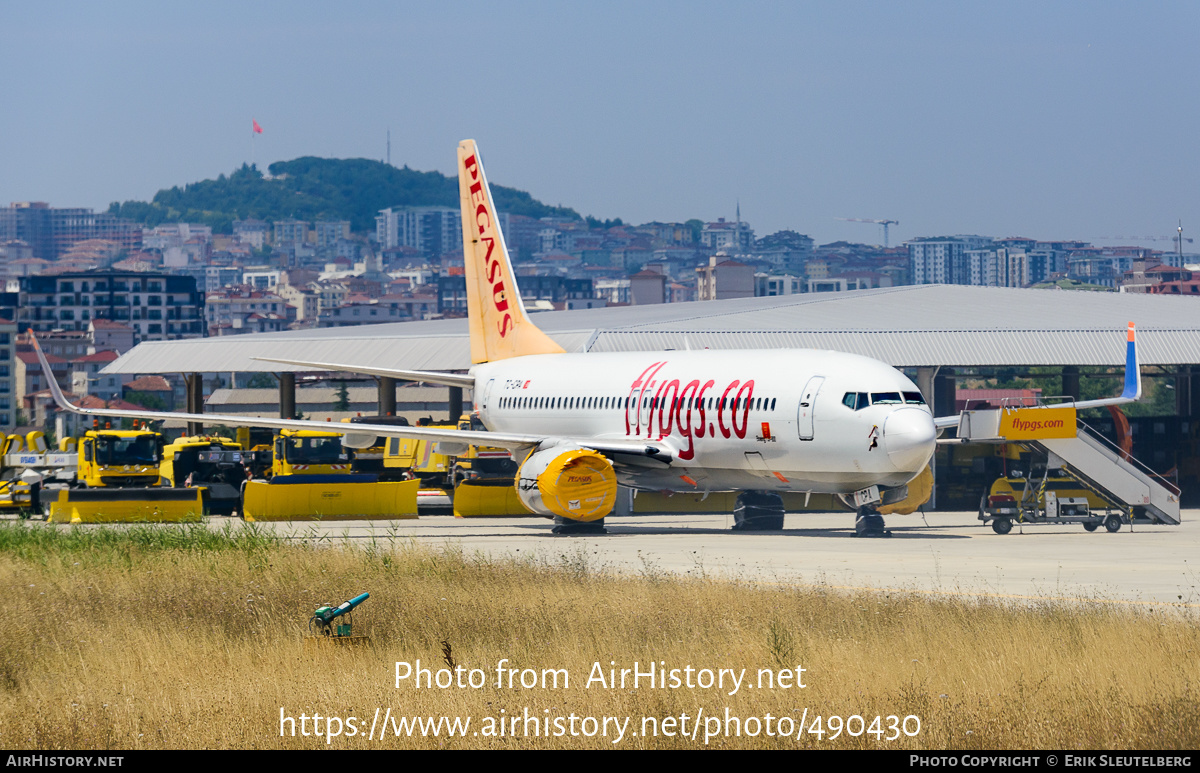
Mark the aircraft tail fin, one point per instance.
(499, 326)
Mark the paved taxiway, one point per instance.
(942, 553)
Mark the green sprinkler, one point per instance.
(335, 621)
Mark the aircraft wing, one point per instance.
(432, 377)
(510, 440)
(1132, 391)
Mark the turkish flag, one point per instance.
(257, 128)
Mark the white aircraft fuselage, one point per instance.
(770, 420)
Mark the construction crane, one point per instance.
(884, 223)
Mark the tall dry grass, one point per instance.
(182, 638)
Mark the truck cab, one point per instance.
(119, 458)
(310, 452)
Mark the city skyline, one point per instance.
(1068, 121)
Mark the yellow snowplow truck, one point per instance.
(312, 478)
(115, 458)
(370, 459)
(438, 468)
(215, 463)
(485, 479)
(118, 481)
(472, 480)
(308, 452)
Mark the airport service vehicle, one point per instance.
(759, 422)
(481, 463)
(26, 465)
(215, 463)
(118, 480)
(114, 458)
(419, 458)
(312, 476)
(371, 459)
(1055, 499)
(310, 452)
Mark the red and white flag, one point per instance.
(257, 128)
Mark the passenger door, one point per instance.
(808, 403)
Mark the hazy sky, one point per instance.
(1048, 120)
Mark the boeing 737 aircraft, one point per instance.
(758, 422)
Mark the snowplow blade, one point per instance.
(329, 498)
(127, 505)
(481, 498)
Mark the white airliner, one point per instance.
(759, 422)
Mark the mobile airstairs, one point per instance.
(1088, 457)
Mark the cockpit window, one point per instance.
(885, 398)
(856, 401)
(914, 398)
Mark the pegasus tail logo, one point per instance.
(499, 326)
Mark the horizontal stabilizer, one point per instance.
(432, 377)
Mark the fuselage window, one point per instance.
(772, 403)
(914, 398)
(885, 398)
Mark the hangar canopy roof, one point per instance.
(921, 325)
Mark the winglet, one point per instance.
(1131, 393)
(55, 391)
(1133, 370)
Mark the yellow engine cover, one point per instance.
(576, 483)
(919, 489)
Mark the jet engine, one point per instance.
(568, 481)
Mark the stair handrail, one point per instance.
(1129, 458)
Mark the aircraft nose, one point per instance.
(909, 437)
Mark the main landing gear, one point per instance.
(569, 526)
(870, 523)
(758, 511)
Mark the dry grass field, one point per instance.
(182, 637)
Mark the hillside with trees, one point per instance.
(311, 188)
